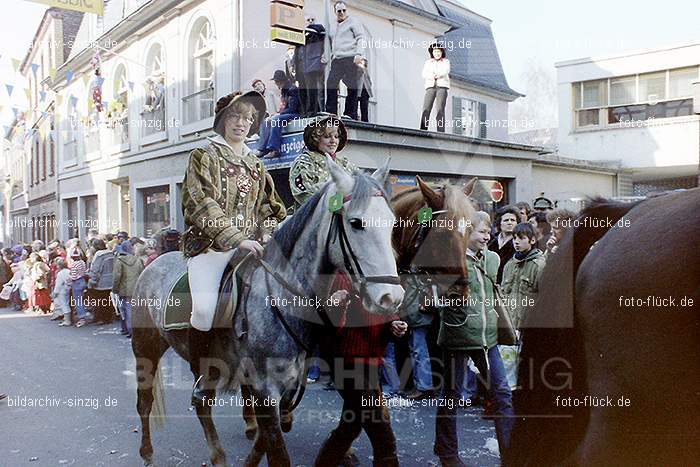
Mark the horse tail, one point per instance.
(158, 414)
(553, 360)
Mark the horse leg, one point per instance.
(216, 452)
(148, 348)
(269, 430)
(251, 425)
(286, 420)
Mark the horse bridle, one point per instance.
(336, 232)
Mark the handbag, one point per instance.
(506, 330)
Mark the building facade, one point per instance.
(138, 90)
(636, 108)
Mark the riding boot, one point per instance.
(200, 346)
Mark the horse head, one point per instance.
(361, 244)
(436, 247)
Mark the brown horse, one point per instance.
(435, 251)
(617, 323)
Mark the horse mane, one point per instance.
(552, 335)
(289, 232)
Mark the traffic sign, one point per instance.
(497, 192)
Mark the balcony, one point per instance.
(198, 106)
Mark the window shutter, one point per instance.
(457, 127)
(482, 120)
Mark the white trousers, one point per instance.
(204, 275)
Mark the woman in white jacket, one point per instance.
(436, 73)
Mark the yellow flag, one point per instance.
(28, 92)
(16, 63)
(52, 74)
(59, 100)
(86, 6)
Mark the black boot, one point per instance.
(200, 347)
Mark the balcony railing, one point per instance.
(199, 105)
(153, 121)
(119, 131)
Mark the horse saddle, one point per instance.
(234, 284)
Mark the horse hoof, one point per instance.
(251, 432)
(286, 426)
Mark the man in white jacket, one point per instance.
(436, 73)
(348, 53)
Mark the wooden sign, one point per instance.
(287, 21)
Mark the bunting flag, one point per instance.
(59, 100)
(99, 81)
(15, 111)
(10, 88)
(86, 79)
(73, 101)
(35, 67)
(42, 94)
(7, 130)
(131, 85)
(16, 63)
(69, 76)
(44, 114)
(28, 93)
(52, 74)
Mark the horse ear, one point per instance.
(469, 187)
(382, 176)
(343, 180)
(434, 199)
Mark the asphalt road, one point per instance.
(84, 380)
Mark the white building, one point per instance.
(636, 108)
(164, 63)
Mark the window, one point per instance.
(90, 203)
(43, 155)
(681, 82)
(52, 149)
(154, 106)
(156, 209)
(119, 108)
(622, 90)
(70, 146)
(199, 101)
(468, 117)
(652, 87)
(660, 94)
(72, 217)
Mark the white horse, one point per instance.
(299, 262)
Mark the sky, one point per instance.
(527, 32)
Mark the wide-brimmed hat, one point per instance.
(323, 122)
(279, 75)
(253, 97)
(437, 45)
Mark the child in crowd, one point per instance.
(520, 285)
(61, 291)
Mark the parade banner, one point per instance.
(86, 6)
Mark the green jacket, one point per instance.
(521, 283)
(309, 173)
(413, 299)
(127, 269)
(227, 199)
(474, 325)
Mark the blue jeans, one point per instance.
(78, 290)
(391, 383)
(422, 368)
(446, 443)
(271, 132)
(125, 310)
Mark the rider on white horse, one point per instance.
(229, 202)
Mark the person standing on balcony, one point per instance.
(436, 73)
(347, 47)
(271, 131)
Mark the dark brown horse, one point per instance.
(434, 250)
(617, 322)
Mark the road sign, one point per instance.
(497, 192)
